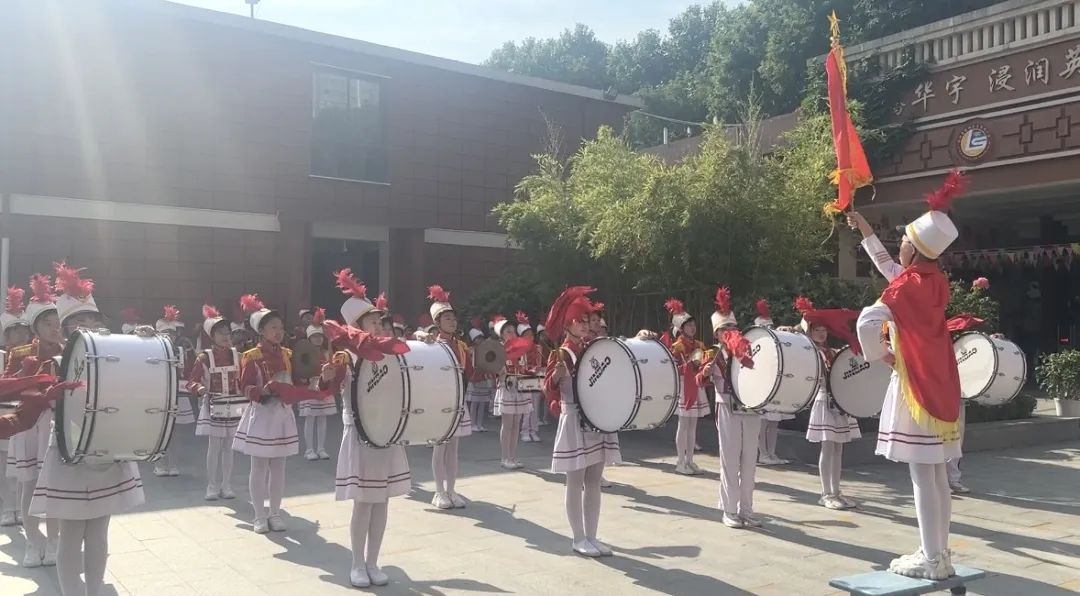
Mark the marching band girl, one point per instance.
(27, 448)
(737, 428)
(509, 403)
(16, 333)
(770, 421)
(828, 425)
(315, 411)
(267, 430)
(693, 403)
(366, 475)
(169, 324)
(216, 373)
(597, 327)
(444, 458)
(533, 360)
(481, 384)
(578, 453)
(83, 497)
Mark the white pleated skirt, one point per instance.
(267, 429)
(369, 475)
(830, 424)
(577, 449)
(901, 439)
(85, 491)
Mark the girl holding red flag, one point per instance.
(578, 453)
(920, 420)
(267, 430)
(216, 373)
(828, 425)
(367, 476)
(689, 356)
(737, 427)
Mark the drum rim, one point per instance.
(459, 380)
(1023, 359)
(774, 334)
(675, 372)
(828, 386)
(406, 402)
(637, 386)
(90, 379)
(171, 405)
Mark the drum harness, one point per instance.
(223, 370)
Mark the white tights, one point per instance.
(267, 480)
(315, 426)
(583, 501)
(933, 506)
(84, 547)
(477, 411)
(8, 487)
(829, 467)
(219, 454)
(444, 466)
(31, 524)
(531, 425)
(366, 532)
(508, 435)
(767, 438)
(686, 438)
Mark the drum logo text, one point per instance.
(598, 369)
(855, 367)
(754, 350)
(377, 374)
(966, 353)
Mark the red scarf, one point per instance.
(925, 361)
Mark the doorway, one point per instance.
(330, 255)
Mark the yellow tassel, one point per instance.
(947, 431)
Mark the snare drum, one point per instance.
(625, 384)
(227, 408)
(858, 387)
(414, 398)
(126, 409)
(992, 370)
(786, 373)
(523, 384)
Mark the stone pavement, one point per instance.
(1022, 523)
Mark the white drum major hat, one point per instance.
(130, 316)
(440, 301)
(317, 320)
(723, 314)
(523, 322)
(42, 299)
(357, 304)
(498, 323)
(76, 294)
(255, 310)
(679, 316)
(764, 316)
(14, 309)
(933, 231)
(211, 319)
(169, 320)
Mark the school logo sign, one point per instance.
(973, 142)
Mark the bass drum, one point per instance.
(858, 387)
(127, 406)
(625, 384)
(786, 373)
(992, 370)
(410, 399)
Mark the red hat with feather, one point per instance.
(211, 319)
(723, 316)
(679, 316)
(839, 321)
(42, 299)
(440, 301)
(76, 294)
(572, 305)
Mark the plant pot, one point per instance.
(1067, 408)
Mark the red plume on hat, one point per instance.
(723, 300)
(171, 313)
(738, 346)
(803, 305)
(349, 285)
(522, 318)
(573, 304)
(41, 289)
(131, 315)
(436, 293)
(13, 304)
(674, 306)
(380, 301)
(209, 311)
(762, 307)
(319, 317)
(597, 307)
(69, 281)
(941, 199)
(251, 304)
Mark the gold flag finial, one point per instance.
(834, 29)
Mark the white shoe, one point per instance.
(585, 549)
(604, 550)
(227, 493)
(310, 455)
(324, 455)
(526, 438)
(695, 468)
(378, 578)
(160, 472)
(517, 465)
(946, 556)
(831, 502)
(52, 549)
(457, 500)
(683, 469)
(733, 521)
(174, 471)
(8, 518)
(276, 523)
(959, 489)
(441, 501)
(261, 526)
(32, 557)
(698, 447)
(750, 521)
(848, 502)
(359, 578)
(920, 567)
(536, 437)
(212, 493)
(781, 461)
(605, 483)
(765, 460)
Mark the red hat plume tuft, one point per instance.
(41, 289)
(131, 315)
(209, 311)
(674, 306)
(762, 306)
(319, 317)
(171, 313)
(522, 318)
(438, 294)
(349, 285)
(573, 304)
(803, 305)
(251, 304)
(69, 281)
(597, 307)
(941, 199)
(13, 304)
(380, 301)
(723, 300)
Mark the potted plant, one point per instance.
(1059, 376)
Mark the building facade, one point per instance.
(184, 155)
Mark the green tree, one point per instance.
(576, 57)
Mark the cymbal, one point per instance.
(305, 359)
(490, 356)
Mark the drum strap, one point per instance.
(223, 370)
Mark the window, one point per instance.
(348, 139)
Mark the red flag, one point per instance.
(852, 168)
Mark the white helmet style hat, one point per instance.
(76, 294)
(498, 324)
(679, 316)
(523, 322)
(211, 319)
(317, 320)
(42, 300)
(255, 310)
(723, 314)
(169, 321)
(14, 309)
(357, 304)
(933, 231)
(440, 301)
(764, 316)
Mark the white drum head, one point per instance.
(436, 393)
(858, 387)
(977, 362)
(380, 400)
(754, 387)
(606, 384)
(71, 408)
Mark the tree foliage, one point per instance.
(967, 299)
